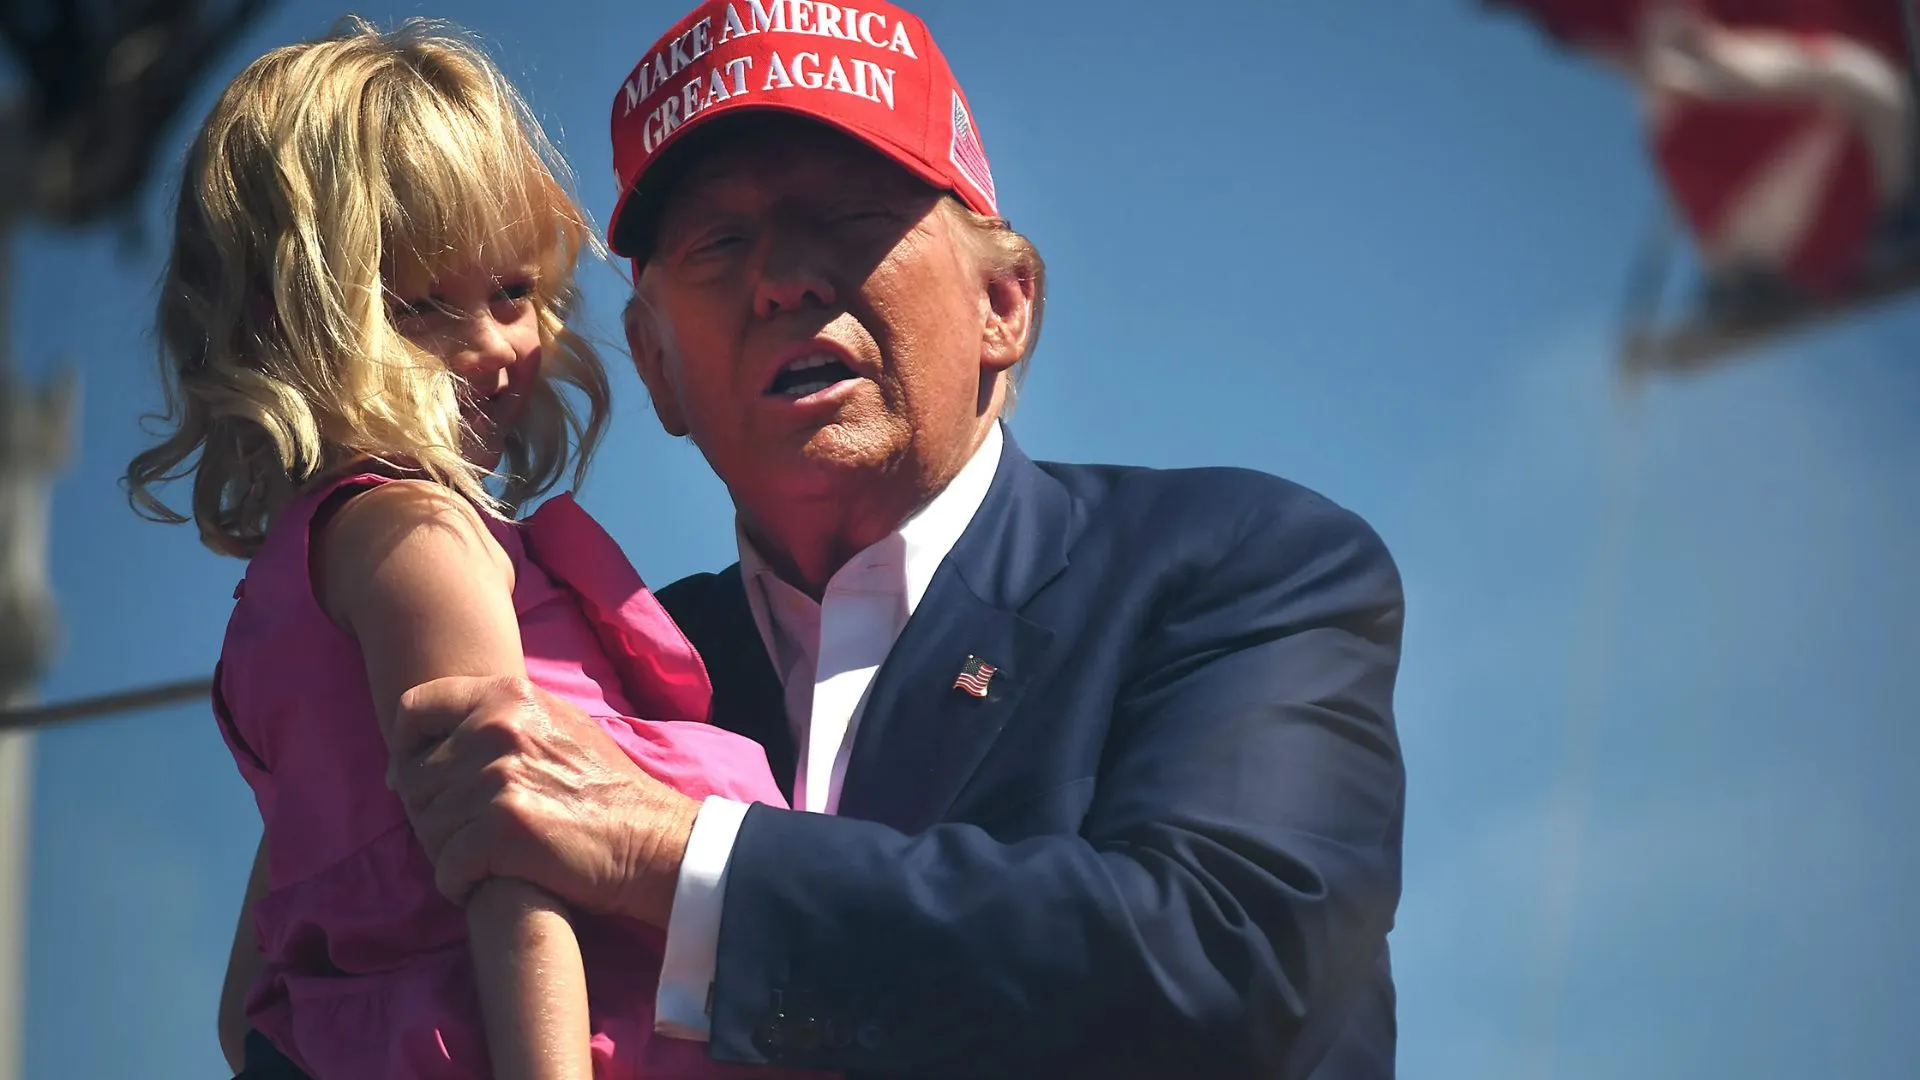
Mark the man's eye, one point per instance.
(717, 244)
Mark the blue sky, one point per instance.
(1655, 700)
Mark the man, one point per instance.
(1093, 769)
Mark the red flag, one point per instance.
(1781, 128)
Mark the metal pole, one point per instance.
(16, 747)
(22, 637)
(28, 717)
(16, 802)
(1640, 324)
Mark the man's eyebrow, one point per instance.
(698, 197)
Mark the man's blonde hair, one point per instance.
(1004, 253)
(325, 170)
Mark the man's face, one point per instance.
(818, 321)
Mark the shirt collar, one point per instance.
(905, 559)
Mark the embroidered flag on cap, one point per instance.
(966, 152)
(975, 674)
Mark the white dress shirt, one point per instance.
(826, 655)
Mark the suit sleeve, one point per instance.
(1228, 896)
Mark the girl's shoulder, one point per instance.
(384, 535)
(372, 505)
(338, 515)
(285, 557)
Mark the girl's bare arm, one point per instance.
(411, 571)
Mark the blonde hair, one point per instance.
(325, 169)
(1004, 252)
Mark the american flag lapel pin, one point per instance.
(975, 674)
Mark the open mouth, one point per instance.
(476, 409)
(809, 374)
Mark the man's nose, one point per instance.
(793, 278)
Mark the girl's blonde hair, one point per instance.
(325, 169)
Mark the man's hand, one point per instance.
(502, 779)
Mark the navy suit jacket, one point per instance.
(1164, 844)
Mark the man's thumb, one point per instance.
(430, 711)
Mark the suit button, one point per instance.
(802, 1034)
(770, 1038)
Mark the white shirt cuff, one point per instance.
(680, 1008)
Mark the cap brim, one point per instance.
(630, 231)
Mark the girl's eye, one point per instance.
(420, 308)
(514, 291)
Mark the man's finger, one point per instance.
(462, 862)
(431, 711)
(422, 776)
(443, 789)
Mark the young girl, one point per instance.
(363, 322)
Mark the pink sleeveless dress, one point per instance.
(367, 971)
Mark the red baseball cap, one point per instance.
(870, 71)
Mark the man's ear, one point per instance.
(1009, 323)
(649, 360)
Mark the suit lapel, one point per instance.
(920, 737)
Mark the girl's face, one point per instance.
(481, 321)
